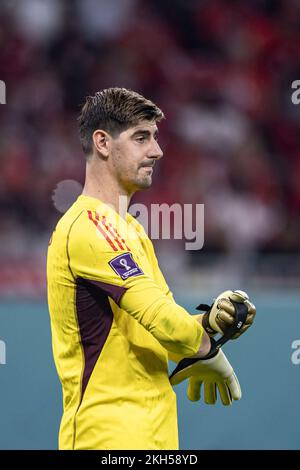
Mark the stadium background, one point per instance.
(222, 72)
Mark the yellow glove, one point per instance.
(215, 373)
(222, 314)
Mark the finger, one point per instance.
(224, 393)
(234, 387)
(241, 331)
(210, 393)
(225, 304)
(245, 327)
(239, 296)
(225, 317)
(249, 320)
(251, 315)
(251, 307)
(194, 389)
(224, 325)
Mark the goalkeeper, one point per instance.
(114, 321)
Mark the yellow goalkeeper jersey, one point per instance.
(113, 321)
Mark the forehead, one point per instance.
(144, 125)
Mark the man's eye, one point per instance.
(140, 139)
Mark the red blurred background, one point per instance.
(221, 71)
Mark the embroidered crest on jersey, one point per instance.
(125, 266)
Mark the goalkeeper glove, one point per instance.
(215, 373)
(231, 314)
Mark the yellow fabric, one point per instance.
(127, 401)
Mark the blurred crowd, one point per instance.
(222, 73)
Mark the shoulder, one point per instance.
(138, 227)
(98, 228)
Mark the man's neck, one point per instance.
(107, 191)
(117, 201)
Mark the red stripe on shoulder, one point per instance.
(107, 227)
(122, 239)
(97, 224)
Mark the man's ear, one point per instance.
(101, 141)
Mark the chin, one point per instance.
(143, 184)
(146, 183)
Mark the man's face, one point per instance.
(133, 154)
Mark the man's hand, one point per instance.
(221, 315)
(215, 373)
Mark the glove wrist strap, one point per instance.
(205, 323)
(205, 319)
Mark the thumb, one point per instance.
(234, 386)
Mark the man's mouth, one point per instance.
(148, 165)
(148, 168)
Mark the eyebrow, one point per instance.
(144, 132)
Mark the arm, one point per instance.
(205, 343)
(204, 346)
(137, 294)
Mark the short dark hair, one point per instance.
(114, 110)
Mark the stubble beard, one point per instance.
(144, 182)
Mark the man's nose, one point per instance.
(155, 152)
